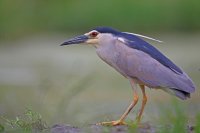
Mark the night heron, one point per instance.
(139, 62)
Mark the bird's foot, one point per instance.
(112, 123)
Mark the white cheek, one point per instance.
(92, 41)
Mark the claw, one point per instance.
(118, 122)
(112, 123)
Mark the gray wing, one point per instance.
(154, 74)
(139, 44)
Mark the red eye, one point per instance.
(94, 34)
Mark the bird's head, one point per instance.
(92, 37)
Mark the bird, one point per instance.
(139, 62)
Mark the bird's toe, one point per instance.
(112, 123)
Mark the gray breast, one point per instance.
(114, 55)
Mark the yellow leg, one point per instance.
(144, 101)
(121, 120)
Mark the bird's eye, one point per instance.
(94, 34)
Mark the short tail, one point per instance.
(183, 86)
(181, 94)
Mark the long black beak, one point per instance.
(76, 40)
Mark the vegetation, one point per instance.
(32, 121)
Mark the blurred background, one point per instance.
(71, 84)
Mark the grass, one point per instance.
(29, 121)
(197, 128)
(170, 122)
(2, 129)
(175, 118)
